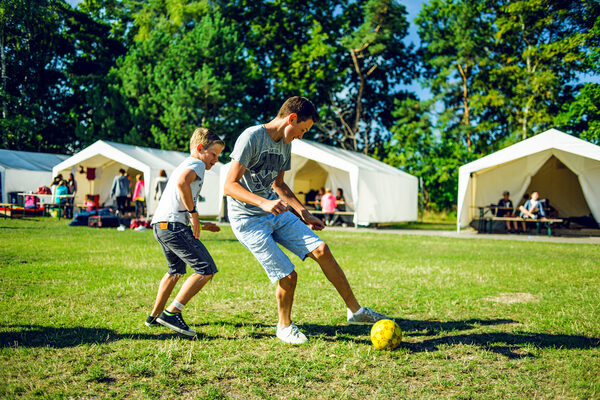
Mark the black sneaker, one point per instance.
(151, 321)
(176, 323)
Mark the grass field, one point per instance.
(482, 319)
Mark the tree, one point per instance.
(380, 63)
(539, 53)
(35, 91)
(418, 149)
(456, 40)
(581, 117)
(175, 82)
(348, 57)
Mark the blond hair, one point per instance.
(205, 137)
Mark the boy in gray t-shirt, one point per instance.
(258, 208)
(178, 241)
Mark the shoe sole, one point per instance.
(176, 328)
(294, 343)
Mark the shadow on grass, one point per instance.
(42, 336)
(434, 328)
(509, 344)
(505, 343)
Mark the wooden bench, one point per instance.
(538, 222)
(10, 211)
(334, 213)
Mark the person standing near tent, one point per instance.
(61, 190)
(178, 241)
(328, 203)
(120, 190)
(258, 205)
(72, 186)
(139, 196)
(159, 184)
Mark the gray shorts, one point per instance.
(180, 247)
(261, 234)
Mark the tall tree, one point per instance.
(581, 117)
(35, 90)
(456, 40)
(348, 57)
(175, 81)
(539, 48)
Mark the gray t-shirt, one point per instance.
(264, 159)
(171, 207)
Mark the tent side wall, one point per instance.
(20, 180)
(392, 199)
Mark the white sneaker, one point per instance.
(291, 334)
(367, 316)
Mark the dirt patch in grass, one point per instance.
(510, 298)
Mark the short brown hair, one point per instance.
(301, 106)
(205, 137)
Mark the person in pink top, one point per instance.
(328, 203)
(138, 196)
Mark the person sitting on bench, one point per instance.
(532, 209)
(505, 209)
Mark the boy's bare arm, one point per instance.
(185, 190)
(285, 193)
(234, 189)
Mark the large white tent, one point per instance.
(378, 193)
(24, 171)
(108, 157)
(560, 167)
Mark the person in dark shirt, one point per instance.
(505, 209)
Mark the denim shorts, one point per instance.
(180, 247)
(261, 234)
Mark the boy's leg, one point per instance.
(167, 283)
(181, 248)
(335, 275)
(284, 293)
(190, 288)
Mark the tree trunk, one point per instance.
(4, 77)
(466, 120)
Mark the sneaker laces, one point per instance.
(294, 331)
(180, 319)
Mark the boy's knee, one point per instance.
(321, 251)
(174, 277)
(292, 278)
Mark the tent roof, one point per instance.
(551, 139)
(135, 156)
(343, 159)
(13, 159)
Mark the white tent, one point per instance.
(108, 157)
(560, 167)
(379, 193)
(24, 171)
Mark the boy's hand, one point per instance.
(196, 227)
(275, 207)
(209, 226)
(315, 223)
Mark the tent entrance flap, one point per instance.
(556, 183)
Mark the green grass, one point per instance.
(482, 319)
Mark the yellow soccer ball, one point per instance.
(386, 335)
